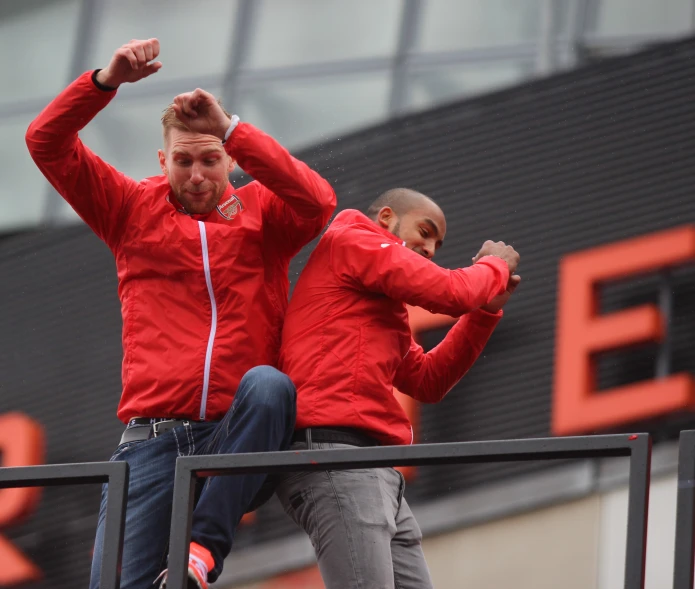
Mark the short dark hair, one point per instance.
(401, 200)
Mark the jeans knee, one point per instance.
(267, 387)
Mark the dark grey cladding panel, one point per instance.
(589, 157)
(60, 362)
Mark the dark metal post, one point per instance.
(114, 526)
(685, 513)
(410, 21)
(180, 534)
(663, 359)
(637, 509)
(115, 474)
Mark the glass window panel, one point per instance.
(646, 17)
(311, 31)
(440, 85)
(448, 25)
(301, 113)
(195, 38)
(564, 13)
(23, 188)
(37, 39)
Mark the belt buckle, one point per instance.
(155, 426)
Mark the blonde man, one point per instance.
(202, 270)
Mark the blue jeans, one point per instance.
(261, 419)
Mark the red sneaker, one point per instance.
(200, 561)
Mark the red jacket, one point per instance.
(202, 296)
(346, 341)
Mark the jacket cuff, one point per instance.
(486, 318)
(99, 85)
(232, 125)
(501, 266)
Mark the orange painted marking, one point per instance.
(582, 333)
(21, 444)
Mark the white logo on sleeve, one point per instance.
(385, 244)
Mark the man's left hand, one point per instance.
(501, 300)
(201, 113)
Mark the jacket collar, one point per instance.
(355, 217)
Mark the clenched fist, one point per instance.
(130, 63)
(200, 112)
(501, 250)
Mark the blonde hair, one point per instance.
(171, 121)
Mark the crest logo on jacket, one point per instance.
(231, 207)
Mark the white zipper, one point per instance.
(213, 323)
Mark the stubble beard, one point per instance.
(200, 208)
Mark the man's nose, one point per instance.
(197, 175)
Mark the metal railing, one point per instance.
(685, 513)
(113, 473)
(636, 446)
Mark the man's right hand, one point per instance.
(131, 63)
(501, 250)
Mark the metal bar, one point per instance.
(545, 58)
(87, 29)
(410, 20)
(637, 509)
(241, 39)
(182, 515)
(49, 475)
(685, 513)
(663, 359)
(578, 11)
(245, 78)
(625, 42)
(115, 474)
(418, 454)
(114, 526)
(637, 446)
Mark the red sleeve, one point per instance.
(300, 201)
(367, 260)
(428, 377)
(98, 192)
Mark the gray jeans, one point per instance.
(360, 525)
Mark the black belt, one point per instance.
(336, 435)
(144, 428)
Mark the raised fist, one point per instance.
(130, 63)
(201, 112)
(501, 250)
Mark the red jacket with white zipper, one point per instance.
(202, 297)
(347, 342)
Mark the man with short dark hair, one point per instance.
(346, 343)
(203, 283)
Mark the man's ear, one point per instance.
(386, 217)
(162, 161)
(231, 164)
